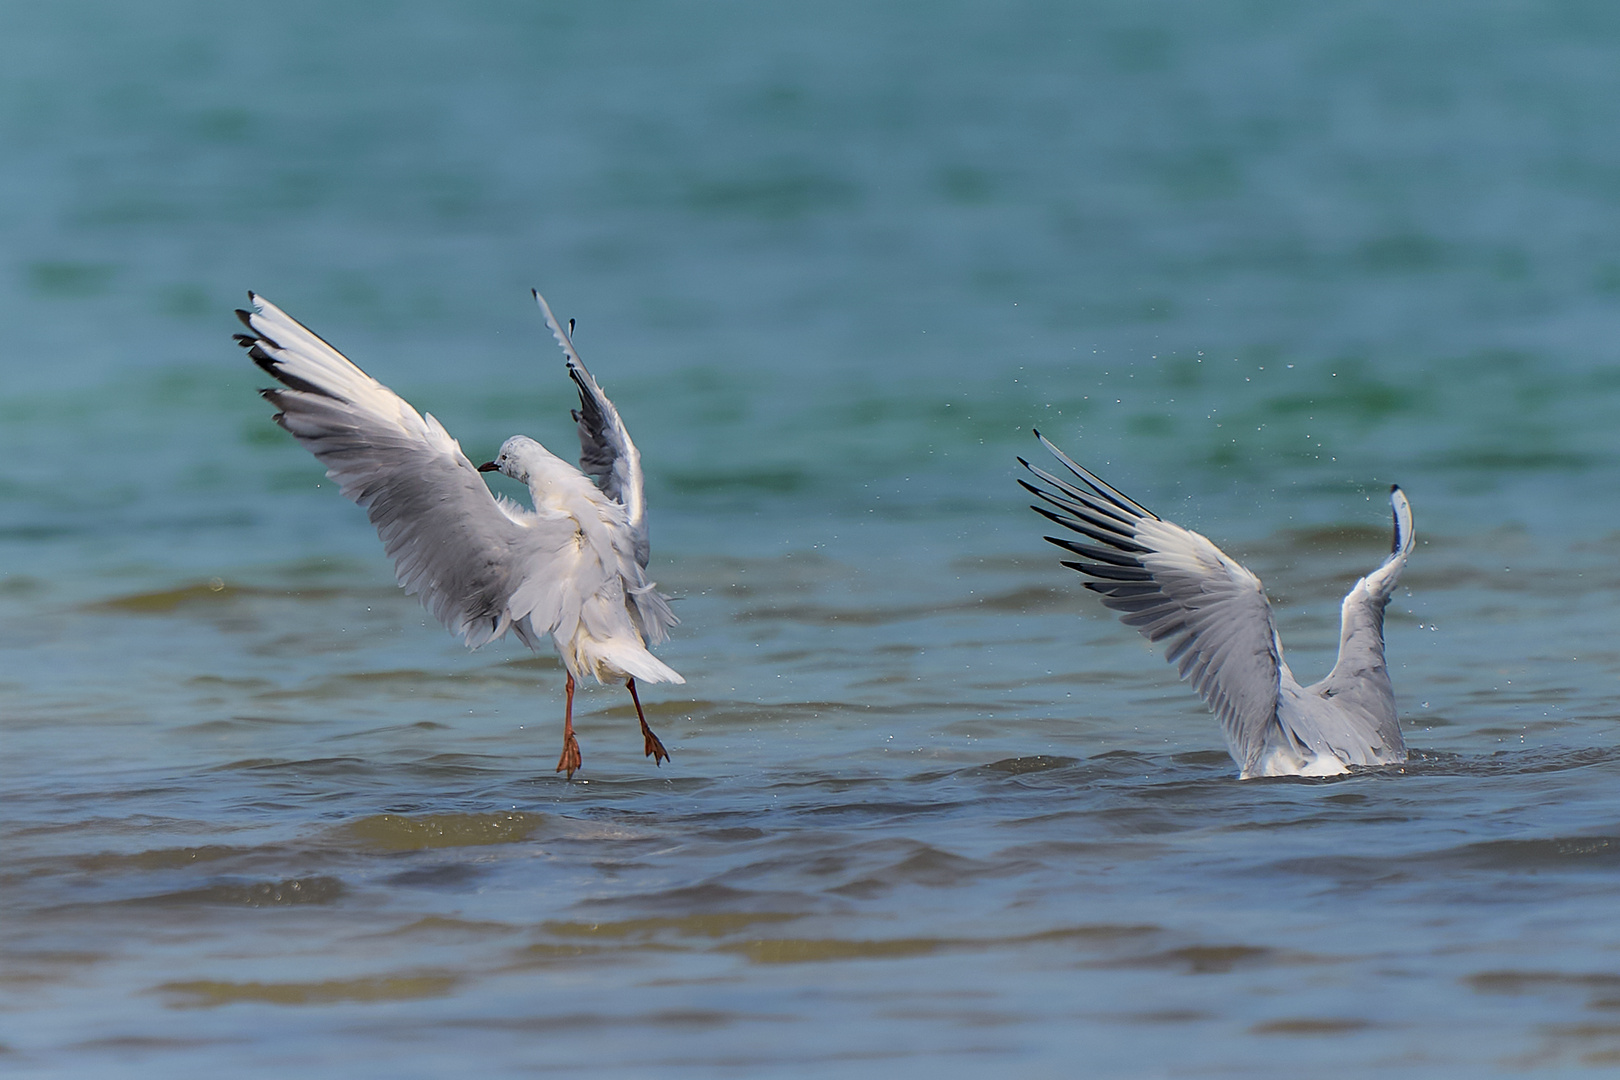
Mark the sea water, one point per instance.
(930, 809)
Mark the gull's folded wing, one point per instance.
(606, 453)
(452, 542)
(1170, 582)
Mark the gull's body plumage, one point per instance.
(1172, 583)
(573, 567)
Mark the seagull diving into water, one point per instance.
(573, 567)
(1169, 582)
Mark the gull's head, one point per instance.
(517, 458)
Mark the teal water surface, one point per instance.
(930, 809)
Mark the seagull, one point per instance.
(573, 567)
(1170, 582)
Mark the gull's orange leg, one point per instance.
(570, 759)
(655, 749)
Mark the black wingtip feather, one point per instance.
(246, 317)
(273, 394)
(1112, 573)
(1081, 505)
(1108, 585)
(1114, 538)
(587, 399)
(257, 354)
(1131, 590)
(1091, 551)
(1103, 488)
(286, 378)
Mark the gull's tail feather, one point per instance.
(616, 658)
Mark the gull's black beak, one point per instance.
(489, 466)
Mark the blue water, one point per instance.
(930, 809)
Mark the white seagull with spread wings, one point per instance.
(1169, 582)
(573, 567)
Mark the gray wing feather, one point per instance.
(1359, 683)
(1172, 584)
(453, 544)
(606, 453)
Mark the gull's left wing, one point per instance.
(606, 453)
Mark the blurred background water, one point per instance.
(930, 809)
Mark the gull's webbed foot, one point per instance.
(571, 758)
(655, 749)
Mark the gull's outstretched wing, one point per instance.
(1170, 582)
(452, 542)
(606, 453)
(1359, 682)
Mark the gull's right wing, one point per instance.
(464, 552)
(1170, 582)
(1359, 682)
